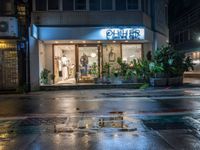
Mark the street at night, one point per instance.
(99, 74)
(101, 119)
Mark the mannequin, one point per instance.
(65, 70)
(60, 67)
(84, 63)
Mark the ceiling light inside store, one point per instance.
(71, 42)
(84, 41)
(126, 41)
(114, 41)
(56, 41)
(98, 41)
(93, 55)
(132, 56)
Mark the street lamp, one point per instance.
(198, 38)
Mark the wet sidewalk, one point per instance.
(119, 119)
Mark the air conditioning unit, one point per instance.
(8, 27)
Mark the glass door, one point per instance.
(88, 63)
(64, 64)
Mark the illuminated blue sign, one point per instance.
(34, 31)
(124, 33)
(89, 33)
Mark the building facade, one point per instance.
(69, 37)
(13, 44)
(185, 30)
(9, 75)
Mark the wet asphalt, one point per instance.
(108, 119)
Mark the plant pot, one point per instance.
(134, 80)
(175, 80)
(96, 80)
(156, 82)
(116, 80)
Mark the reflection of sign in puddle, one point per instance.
(95, 124)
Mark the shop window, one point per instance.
(110, 54)
(120, 4)
(68, 5)
(131, 51)
(53, 4)
(80, 4)
(64, 64)
(132, 4)
(94, 4)
(106, 4)
(40, 5)
(88, 63)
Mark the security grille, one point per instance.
(8, 69)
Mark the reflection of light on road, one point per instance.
(2, 147)
(4, 135)
(65, 106)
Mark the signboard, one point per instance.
(89, 33)
(122, 33)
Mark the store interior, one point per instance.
(72, 63)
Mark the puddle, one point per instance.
(114, 122)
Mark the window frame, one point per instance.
(113, 6)
(73, 6)
(138, 6)
(53, 9)
(86, 6)
(35, 6)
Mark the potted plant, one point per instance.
(115, 72)
(44, 76)
(130, 76)
(157, 76)
(173, 63)
(94, 71)
(106, 73)
(179, 65)
(142, 72)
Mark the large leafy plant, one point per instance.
(44, 76)
(173, 63)
(141, 69)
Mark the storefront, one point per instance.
(78, 54)
(8, 65)
(83, 62)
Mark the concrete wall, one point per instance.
(91, 18)
(49, 57)
(34, 63)
(42, 55)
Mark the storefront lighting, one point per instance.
(5, 45)
(114, 41)
(56, 42)
(93, 55)
(98, 41)
(126, 41)
(84, 41)
(196, 61)
(71, 42)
